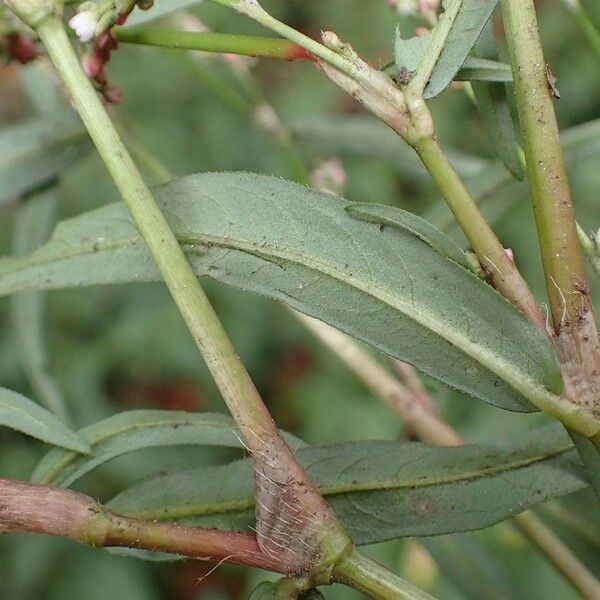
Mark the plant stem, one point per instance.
(500, 270)
(378, 582)
(244, 45)
(31, 508)
(437, 41)
(270, 451)
(576, 343)
(560, 555)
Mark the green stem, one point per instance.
(270, 451)
(244, 45)
(252, 9)
(500, 270)
(376, 581)
(437, 41)
(566, 280)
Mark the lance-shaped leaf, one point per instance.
(298, 245)
(36, 151)
(21, 414)
(483, 69)
(135, 430)
(382, 490)
(495, 114)
(35, 219)
(466, 29)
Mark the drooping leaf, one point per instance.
(382, 490)
(300, 246)
(369, 137)
(135, 430)
(21, 414)
(424, 230)
(495, 114)
(34, 152)
(32, 226)
(477, 574)
(466, 29)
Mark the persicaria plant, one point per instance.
(449, 316)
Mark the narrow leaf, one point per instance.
(300, 246)
(468, 25)
(36, 151)
(135, 430)
(32, 226)
(21, 414)
(482, 69)
(424, 230)
(382, 490)
(495, 114)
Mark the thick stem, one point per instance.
(244, 45)
(572, 311)
(499, 268)
(376, 581)
(318, 533)
(30, 508)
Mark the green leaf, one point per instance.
(467, 27)
(382, 490)
(32, 226)
(21, 414)
(495, 114)
(299, 246)
(473, 69)
(135, 430)
(482, 69)
(36, 151)
(590, 456)
(478, 574)
(424, 230)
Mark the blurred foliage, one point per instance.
(116, 348)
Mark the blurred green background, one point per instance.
(117, 348)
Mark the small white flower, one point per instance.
(84, 24)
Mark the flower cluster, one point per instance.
(93, 23)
